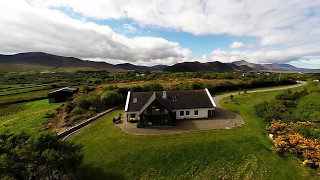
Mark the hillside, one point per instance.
(42, 61)
(273, 66)
(128, 66)
(209, 66)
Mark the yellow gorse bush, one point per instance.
(287, 140)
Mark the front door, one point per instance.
(210, 113)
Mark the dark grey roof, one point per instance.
(66, 89)
(191, 99)
(156, 97)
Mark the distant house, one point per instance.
(165, 107)
(62, 95)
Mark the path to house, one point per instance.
(224, 119)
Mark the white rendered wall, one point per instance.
(202, 113)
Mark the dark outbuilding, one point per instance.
(62, 95)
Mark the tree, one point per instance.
(44, 156)
(111, 99)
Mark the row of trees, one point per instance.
(228, 86)
(290, 95)
(42, 156)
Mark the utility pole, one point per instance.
(279, 75)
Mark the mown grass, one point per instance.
(22, 90)
(24, 96)
(13, 86)
(29, 116)
(241, 153)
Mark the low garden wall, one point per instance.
(67, 133)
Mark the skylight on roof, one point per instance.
(135, 100)
(174, 98)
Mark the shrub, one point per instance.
(111, 99)
(153, 87)
(94, 81)
(87, 88)
(109, 88)
(86, 101)
(138, 124)
(289, 95)
(269, 110)
(308, 110)
(77, 110)
(50, 114)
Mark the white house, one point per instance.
(166, 107)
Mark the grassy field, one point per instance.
(13, 86)
(22, 90)
(24, 96)
(241, 153)
(29, 116)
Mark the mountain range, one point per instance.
(40, 60)
(215, 66)
(273, 66)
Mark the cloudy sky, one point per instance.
(150, 32)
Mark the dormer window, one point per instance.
(135, 100)
(174, 98)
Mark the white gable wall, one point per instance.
(202, 113)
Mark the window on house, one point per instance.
(187, 113)
(135, 100)
(132, 115)
(196, 113)
(181, 113)
(174, 98)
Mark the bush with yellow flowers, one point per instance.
(287, 140)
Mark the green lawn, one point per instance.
(29, 116)
(241, 153)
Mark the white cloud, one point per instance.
(284, 31)
(237, 45)
(265, 56)
(26, 28)
(273, 21)
(129, 28)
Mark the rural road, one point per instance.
(224, 114)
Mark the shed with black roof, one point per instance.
(62, 95)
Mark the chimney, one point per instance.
(164, 96)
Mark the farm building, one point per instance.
(164, 108)
(62, 95)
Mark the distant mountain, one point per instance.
(209, 66)
(128, 66)
(38, 61)
(53, 61)
(287, 66)
(273, 66)
(43, 59)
